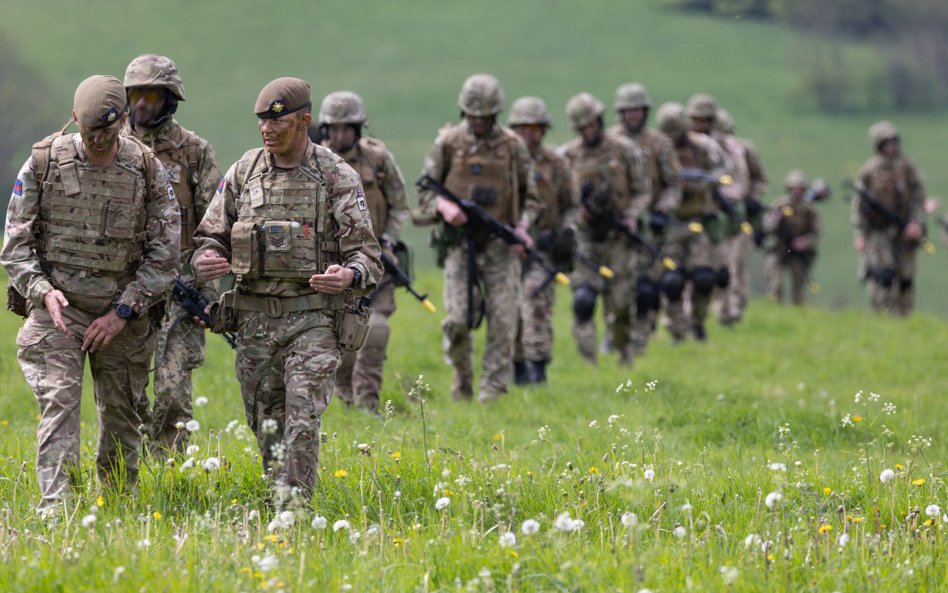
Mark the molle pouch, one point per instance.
(16, 302)
(245, 249)
(353, 325)
(289, 249)
(120, 219)
(223, 318)
(485, 196)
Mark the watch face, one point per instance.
(123, 311)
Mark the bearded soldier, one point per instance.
(794, 227)
(91, 242)
(632, 104)
(341, 120)
(689, 244)
(154, 89)
(530, 119)
(609, 176)
(479, 160)
(290, 220)
(887, 213)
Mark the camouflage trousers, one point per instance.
(178, 350)
(692, 252)
(890, 271)
(286, 367)
(776, 266)
(53, 366)
(498, 270)
(359, 376)
(734, 252)
(618, 295)
(535, 325)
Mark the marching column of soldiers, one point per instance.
(123, 242)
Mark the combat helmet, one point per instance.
(481, 96)
(703, 106)
(583, 109)
(155, 70)
(724, 123)
(881, 131)
(631, 96)
(342, 107)
(529, 111)
(670, 119)
(796, 179)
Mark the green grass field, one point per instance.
(408, 61)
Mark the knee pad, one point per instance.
(884, 277)
(672, 284)
(646, 297)
(704, 279)
(724, 277)
(584, 302)
(905, 284)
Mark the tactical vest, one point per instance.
(605, 168)
(91, 218)
(545, 175)
(650, 142)
(486, 175)
(797, 220)
(181, 156)
(888, 183)
(696, 197)
(285, 227)
(368, 160)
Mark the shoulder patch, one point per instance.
(171, 195)
(221, 185)
(360, 200)
(18, 188)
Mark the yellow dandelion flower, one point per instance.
(156, 515)
(594, 470)
(825, 528)
(399, 541)
(857, 418)
(395, 454)
(855, 519)
(928, 522)
(99, 501)
(341, 473)
(899, 466)
(447, 492)
(233, 501)
(4, 422)
(514, 554)
(771, 557)
(918, 482)
(245, 569)
(260, 546)
(498, 437)
(257, 574)
(271, 538)
(827, 491)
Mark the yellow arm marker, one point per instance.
(606, 272)
(746, 228)
(561, 278)
(429, 306)
(726, 180)
(669, 264)
(695, 227)
(928, 246)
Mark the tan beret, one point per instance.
(99, 101)
(282, 96)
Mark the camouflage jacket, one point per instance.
(757, 177)
(789, 220)
(154, 273)
(350, 231)
(616, 162)
(552, 177)
(897, 184)
(662, 165)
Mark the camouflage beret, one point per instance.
(282, 96)
(99, 101)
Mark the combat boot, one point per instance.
(462, 388)
(626, 356)
(521, 373)
(700, 334)
(537, 371)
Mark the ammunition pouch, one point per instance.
(16, 302)
(444, 237)
(352, 326)
(245, 247)
(647, 297)
(223, 318)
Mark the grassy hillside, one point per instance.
(761, 409)
(408, 61)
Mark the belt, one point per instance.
(277, 306)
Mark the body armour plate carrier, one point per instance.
(483, 174)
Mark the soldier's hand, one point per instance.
(521, 233)
(101, 331)
(631, 222)
(799, 244)
(859, 244)
(55, 301)
(450, 212)
(198, 320)
(912, 231)
(211, 266)
(336, 279)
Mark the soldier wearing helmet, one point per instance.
(479, 160)
(530, 119)
(793, 225)
(632, 105)
(889, 242)
(154, 89)
(689, 244)
(610, 180)
(341, 119)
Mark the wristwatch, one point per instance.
(125, 312)
(356, 277)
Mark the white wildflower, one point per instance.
(752, 541)
(888, 409)
(89, 521)
(340, 524)
(266, 563)
(192, 426)
(144, 544)
(679, 532)
(564, 522)
(630, 519)
(200, 402)
(179, 425)
(269, 426)
(507, 539)
(354, 536)
(649, 474)
(729, 574)
(773, 500)
(529, 527)
(253, 515)
(886, 476)
(933, 510)
(442, 503)
(212, 464)
(363, 447)
(777, 467)
(192, 450)
(319, 522)
(188, 464)
(842, 540)
(686, 508)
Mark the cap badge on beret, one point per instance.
(110, 116)
(277, 106)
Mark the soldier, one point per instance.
(530, 119)
(887, 214)
(341, 119)
(479, 160)
(290, 220)
(154, 90)
(609, 175)
(733, 299)
(689, 244)
(91, 242)
(794, 227)
(632, 104)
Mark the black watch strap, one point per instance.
(356, 277)
(125, 311)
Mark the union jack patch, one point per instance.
(18, 188)
(220, 186)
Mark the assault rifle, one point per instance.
(195, 304)
(599, 206)
(715, 181)
(401, 279)
(891, 216)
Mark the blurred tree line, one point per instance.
(908, 38)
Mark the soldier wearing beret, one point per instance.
(91, 242)
(290, 220)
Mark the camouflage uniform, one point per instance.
(794, 227)
(359, 377)
(739, 288)
(614, 169)
(192, 168)
(496, 172)
(889, 256)
(278, 227)
(101, 237)
(664, 171)
(534, 344)
(697, 274)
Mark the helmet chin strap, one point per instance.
(171, 106)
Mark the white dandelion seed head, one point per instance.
(200, 401)
(529, 527)
(752, 541)
(842, 540)
(188, 464)
(442, 503)
(89, 521)
(319, 523)
(686, 508)
(886, 476)
(269, 426)
(507, 539)
(212, 464)
(144, 544)
(649, 474)
(340, 524)
(777, 467)
(192, 450)
(564, 522)
(253, 515)
(773, 500)
(630, 519)
(729, 574)
(192, 426)
(266, 563)
(679, 532)
(933, 510)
